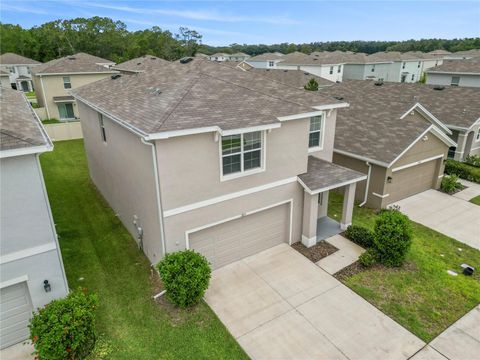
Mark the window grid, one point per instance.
(102, 128)
(66, 82)
(315, 133)
(241, 153)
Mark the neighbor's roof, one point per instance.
(19, 126)
(371, 127)
(295, 78)
(267, 57)
(199, 94)
(77, 63)
(140, 64)
(4, 73)
(322, 175)
(439, 52)
(15, 59)
(470, 66)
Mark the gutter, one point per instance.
(367, 185)
(157, 192)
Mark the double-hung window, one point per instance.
(241, 152)
(271, 64)
(339, 70)
(103, 133)
(455, 80)
(403, 65)
(66, 82)
(331, 70)
(316, 132)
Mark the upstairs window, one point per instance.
(455, 80)
(66, 82)
(331, 70)
(403, 65)
(315, 135)
(478, 135)
(373, 68)
(271, 64)
(242, 152)
(103, 133)
(339, 70)
(413, 77)
(419, 64)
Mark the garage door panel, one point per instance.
(245, 236)
(413, 180)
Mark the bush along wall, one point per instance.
(462, 170)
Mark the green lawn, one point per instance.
(421, 295)
(30, 94)
(476, 200)
(97, 248)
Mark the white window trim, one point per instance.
(68, 82)
(242, 173)
(271, 63)
(477, 138)
(322, 135)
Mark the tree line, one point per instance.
(99, 36)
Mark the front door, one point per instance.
(25, 86)
(403, 78)
(66, 111)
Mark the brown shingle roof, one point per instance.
(267, 57)
(470, 66)
(295, 78)
(322, 175)
(143, 63)
(371, 127)
(78, 63)
(15, 59)
(19, 127)
(198, 94)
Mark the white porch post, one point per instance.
(348, 202)
(310, 215)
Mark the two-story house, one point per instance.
(20, 70)
(265, 61)
(456, 73)
(31, 268)
(54, 79)
(228, 173)
(5, 79)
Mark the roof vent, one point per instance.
(139, 63)
(153, 58)
(185, 60)
(438, 88)
(154, 91)
(267, 70)
(71, 58)
(115, 76)
(285, 70)
(315, 59)
(338, 97)
(378, 83)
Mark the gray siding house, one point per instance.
(31, 268)
(228, 173)
(456, 73)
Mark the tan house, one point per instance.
(54, 79)
(20, 69)
(140, 64)
(228, 173)
(391, 136)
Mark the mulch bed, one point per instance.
(356, 268)
(316, 252)
(458, 189)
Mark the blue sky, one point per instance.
(268, 22)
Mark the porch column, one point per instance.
(348, 202)
(460, 150)
(310, 215)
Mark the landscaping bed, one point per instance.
(100, 255)
(463, 170)
(420, 295)
(316, 252)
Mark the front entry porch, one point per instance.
(321, 177)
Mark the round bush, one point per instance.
(360, 235)
(186, 275)
(65, 328)
(368, 258)
(392, 237)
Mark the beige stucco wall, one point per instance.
(122, 170)
(53, 86)
(328, 137)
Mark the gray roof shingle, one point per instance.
(470, 66)
(322, 175)
(143, 63)
(198, 94)
(295, 78)
(77, 63)
(19, 127)
(15, 59)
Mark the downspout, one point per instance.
(157, 191)
(44, 96)
(367, 185)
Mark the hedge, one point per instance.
(464, 171)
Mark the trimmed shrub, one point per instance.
(186, 275)
(392, 237)
(473, 160)
(65, 328)
(368, 258)
(450, 184)
(464, 171)
(360, 235)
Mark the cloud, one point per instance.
(195, 14)
(28, 9)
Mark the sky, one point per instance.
(268, 22)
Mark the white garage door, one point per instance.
(15, 312)
(239, 238)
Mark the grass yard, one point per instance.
(421, 296)
(97, 248)
(476, 200)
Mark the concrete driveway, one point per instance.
(279, 305)
(449, 215)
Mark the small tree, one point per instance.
(392, 237)
(185, 275)
(65, 328)
(312, 85)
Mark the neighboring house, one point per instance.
(462, 55)
(54, 79)
(31, 268)
(221, 57)
(140, 64)
(440, 53)
(5, 80)
(20, 69)
(227, 173)
(296, 78)
(265, 61)
(456, 73)
(239, 56)
(392, 136)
